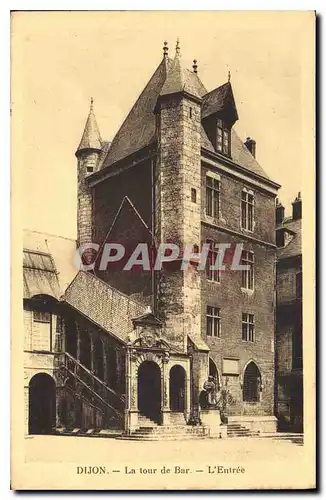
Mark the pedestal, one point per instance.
(211, 419)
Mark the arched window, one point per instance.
(251, 383)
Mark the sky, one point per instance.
(62, 59)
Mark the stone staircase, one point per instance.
(237, 430)
(177, 430)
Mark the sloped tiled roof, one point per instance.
(41, 251)
(39, 275)
(108, 308)
(293, 248)
(242, 156)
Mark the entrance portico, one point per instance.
(157, 377)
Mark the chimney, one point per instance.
(251, 146)
(297, 208)
(279, 212)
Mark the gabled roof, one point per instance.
(219, 100)
(91, 138)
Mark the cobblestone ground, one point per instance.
(108, 463)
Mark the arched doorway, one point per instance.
(42, 404)
(85, 356)
(177, 388)
(71, 337)
(213, 372)
(98, 358)
(251, 383)
(149, 390)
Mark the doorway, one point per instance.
(42, 404)
(149, 390)
(177, 388)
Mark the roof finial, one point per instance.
(177, 47)
(165, 49)
(229, 76)
(92, 101)
(194, 66)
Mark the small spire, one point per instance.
(165, 49)
(229, 76)
(299, 195)
(177, 47)
(91, 138)
(194, 66)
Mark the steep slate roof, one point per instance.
(91, 138)
(108, 308)
(180, 79)
(139, 128)
(293, 248)
(219, 99)
(242, 156)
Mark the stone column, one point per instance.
(165, 391)
(188, 394)
(131, 412)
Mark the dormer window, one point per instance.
(222, 138)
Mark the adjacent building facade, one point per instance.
(289, 375)
(140, 344)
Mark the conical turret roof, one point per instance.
(91, 138)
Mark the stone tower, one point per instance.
(178, 200)
(88, 154)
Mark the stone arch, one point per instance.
(148, 356)
(252, 382)
(42, 404)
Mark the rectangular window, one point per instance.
(212, 196)
(222, 139)
(212, 274)
(247, 276)
(213, 321)
(247, 210)
(41, 316)
(193, 195)
(248, 327)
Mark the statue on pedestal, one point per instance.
(208, 396)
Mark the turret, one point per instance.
(88, 154)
